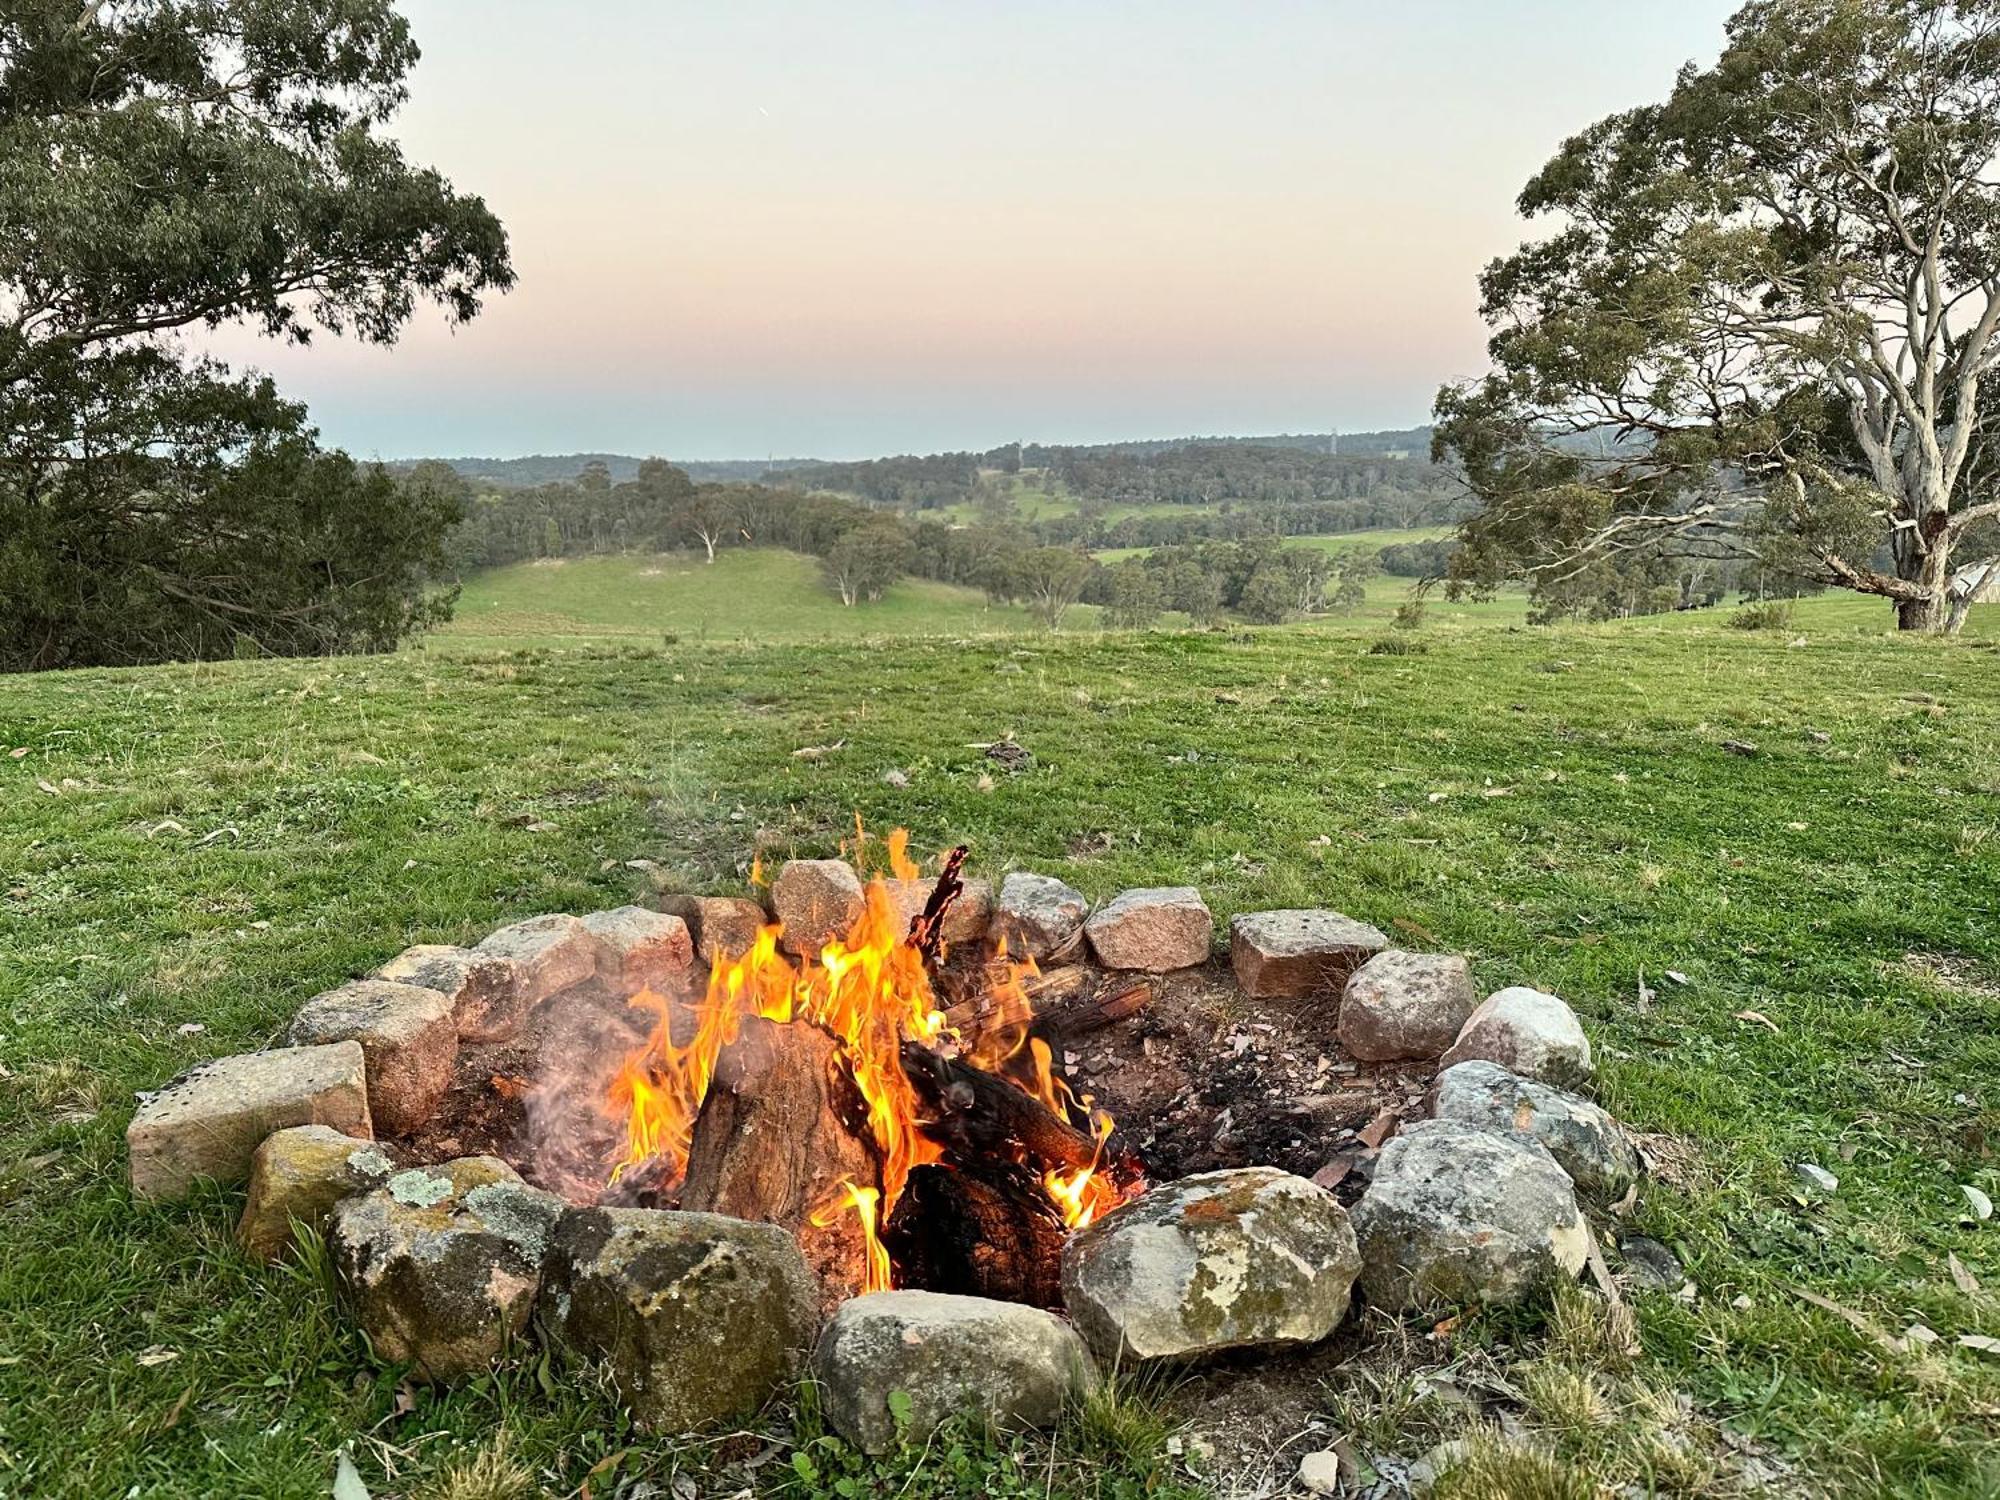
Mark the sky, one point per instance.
(755, 229)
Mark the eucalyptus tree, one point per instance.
(168, 165)
(1765, 321)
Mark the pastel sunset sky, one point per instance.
(747, 229)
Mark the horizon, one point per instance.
(775, 231)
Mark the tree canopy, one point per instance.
(168, 164)
(1766, 324)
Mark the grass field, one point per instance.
(747, 594)
(191, 851)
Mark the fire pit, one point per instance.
(682, 1139)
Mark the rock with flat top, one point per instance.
(407, 1034)
(1399, 1005)
(549, 954)
(1583, 1138)
(480, 988)
(639, 949)
(965, 920)
(1528, 1033)
(700, 1317)
(442, 1264)
(1155, 929)
(1039, 917)
(1001, 1362)
(1297, 953)
(210, 1121)
(720, 926)
(298, 1174)
(1248, 1259)
(1456, 1214)
(815, 901)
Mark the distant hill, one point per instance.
(555, 468)
(1415, 441)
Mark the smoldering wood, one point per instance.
(977, 1114)
(927, 927)
(979, 1228)
(782, 1127)
(1067, 1003)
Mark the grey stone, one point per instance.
(1011, 1365)
(299, 1173)
(480, 988)
(638, 949)
(721, 926)
(1296, 953)
(1155, 929)
(1456, 1214)
(549, 954)
(965, 920)
(1252, 1258)
(406, 1033)
(210, 1121)
(1583, 1138)
(442, 1264)
(1650, 1265)
(1526, 1032)
(701, 1318)
(1399, 1005)
(1038, 916)
(815, 901)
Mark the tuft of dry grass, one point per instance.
(490, 1473)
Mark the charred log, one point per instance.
(927, 927)
(977, 1114)
(782, 1127)
(1065, 1003)
(982, 1228)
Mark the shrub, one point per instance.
(1393, 645)
(1770, 614)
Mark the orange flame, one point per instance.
(870, 990)
(865, 1202)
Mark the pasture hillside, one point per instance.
(746, 594)
(1784, 954)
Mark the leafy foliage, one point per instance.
(176, 163)
(1766, 326)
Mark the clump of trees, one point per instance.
(190, 163)
(1766, 328)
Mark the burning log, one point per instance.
(979, 1115)
(927, 927)
(1067, 1003)
(983, 1228)
(782, 1128)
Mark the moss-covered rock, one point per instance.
(998, 1362)
(700, 1317)
(1584, 1139)
(299, 1174)
(1223, 1260)
(1457, 1214)
(443, 1263)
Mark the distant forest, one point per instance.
(1021, 523)
(554, 468)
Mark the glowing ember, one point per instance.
(871, 991)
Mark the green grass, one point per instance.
(747, 594)
(205, 846)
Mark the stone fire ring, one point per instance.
(703, 1318)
